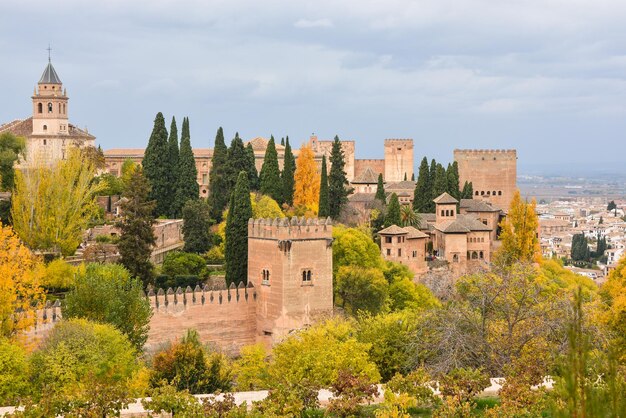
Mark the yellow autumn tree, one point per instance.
(20, 293)
(519, 236)
(52, 205)
(613, 293)
(306, 189)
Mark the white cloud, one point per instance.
(317, 23)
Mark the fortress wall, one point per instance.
(226, 318)
(489, 171)
(377, 165)
(398, 159)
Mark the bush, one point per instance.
(183, 264)
(164, 281)
(215, 255)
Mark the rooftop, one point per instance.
(445, 199)
(49, 75)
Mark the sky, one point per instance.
(546, 77)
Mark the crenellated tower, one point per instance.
(290, 264)
(398, 159)
(493, 174)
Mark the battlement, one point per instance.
(172, 301)
(405, 142)
(484, 151)
(280, 229)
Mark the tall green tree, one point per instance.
(432, 175)
(137, 237)
(11, 147)
(380, 190)
(421, 195)
(253, 175)
(173, 152)
(440, 185)
(324, 207)
(270, 173)
(237, 162)
(155, 167)
(218, 181)
(282, 141)
(393, 216)
(196, 224)
(452, 176)
(187, 185)
(287, 176)
(468, 191)
(338, 186)
(107, 293)
(236, 249)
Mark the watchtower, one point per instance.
(290, 264)
(398, 159)
(493, 174)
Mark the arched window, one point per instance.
(45, 128)
(455, 258)
(494, 192)
(308, 276)
(40, 108)
(49, 107)
(474, 255)
(304, 276)
(480, 255)
(482, 193)
(499, 192)
(442, 212)
(60, 108)
(64, 108)
(265, 274)
(476, 192)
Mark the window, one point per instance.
(40, 108)
(388, 251)
(399, 240)
(306, 276)
(49, 107)
(455, 258)
(45, 128)
(414, 254)
(387, 240)
(60, 108)
(442, 212)
(480, 255)
(482, 193)
(399, 252)
(476, 192)
(474, 255)
(494, 192)
(499, 192)
(485, 221)
(205, 178)
(45, 142)
(265, 277)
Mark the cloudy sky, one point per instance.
(547, 77)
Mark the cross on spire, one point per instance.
(49, 53)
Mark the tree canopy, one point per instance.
(236, 250)
(270, 173)
(307, 181)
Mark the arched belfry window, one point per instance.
(306, 277)
(49, 107)
(40, 108)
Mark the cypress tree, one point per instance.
(413, 177)
(270, 173)
(253, 176)
(155, 167)
(432, 174)
(421, 195)
(393, 212)
(468, 191)
(218, 190)
(441, 181)
(324, 207)
(380, 190)
(405, 177)
(187, 186)
(237, 162)
(236, 247)
(137, 237)
(287, 176)
(282, 141)
(173, 162)
(196, 224)
(337, 181)
(452, 174)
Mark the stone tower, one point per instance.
(398, 159)
(290, 264)
(493, 174)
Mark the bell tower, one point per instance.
(50, 104)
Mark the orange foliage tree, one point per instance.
(306, 191)
(20, 293)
